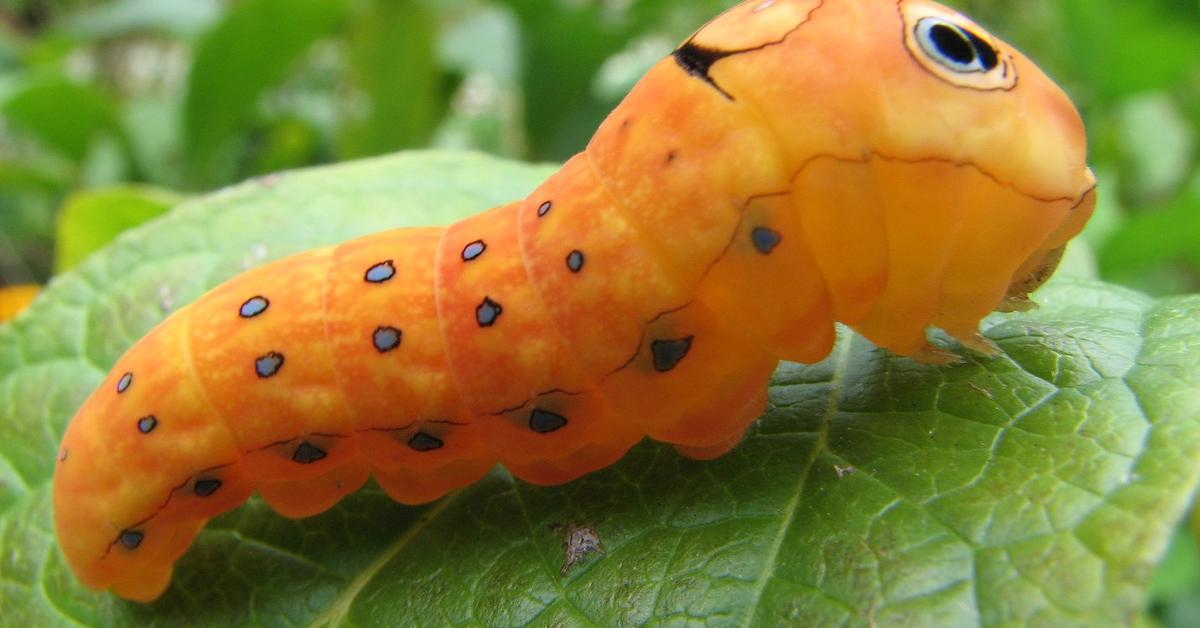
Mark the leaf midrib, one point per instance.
(787, 516)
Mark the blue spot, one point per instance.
(269, 364)
(147, 424)
(206, 487)
(386, 338)
(575, 261)
(380, 272)
(306, 453)
(544, 421)
(254, 306)
(765, 240)
(131, 538)
(487, 312)
(124, 383)
(668, 353)
(473, 250)
(424, 442)
(544, 208)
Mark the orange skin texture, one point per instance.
(795, 164)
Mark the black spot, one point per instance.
(307, 453)
(544, 421)
(487, 312)
(953, 43)
(131, 539)
(386, 338)
(147, 424)
(254, 306)
(671, 155)
(575, 261)
(124, 383)
(544, 208)
(987, 55)
(206, 487)
(765, 240)
(697, 60)
(424, 442)
(268, 365)
(380, 272)
(473, 250)
(668, 353)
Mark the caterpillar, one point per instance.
(885, 164)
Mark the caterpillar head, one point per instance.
(956, 164)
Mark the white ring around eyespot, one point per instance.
(923, 32)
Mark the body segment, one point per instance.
(881, 163)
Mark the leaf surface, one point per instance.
(1041, 485)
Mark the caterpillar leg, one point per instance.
(160, 546)
(560, 435)
(416, 487)
(737, 419)
(690, 378)
(304, 498)
(786, 309)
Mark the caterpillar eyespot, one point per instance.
(955, 47)
(742, 199)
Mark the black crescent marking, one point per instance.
(698, 60)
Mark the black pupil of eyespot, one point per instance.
(951, 42)
(987, 54)
(963, 47)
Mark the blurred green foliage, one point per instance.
(136, 103)
(190, 95)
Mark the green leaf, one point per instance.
(1123, 47)
(394, 71)
(249, 51)
(1038, 486)
(122, 18)
(1151, 239)
(90, 219)
(65, 116)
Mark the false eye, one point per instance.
(955, 47)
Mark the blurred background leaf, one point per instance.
(112, 109)
(92, 218)
(249, 51)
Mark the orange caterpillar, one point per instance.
(883, 163)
